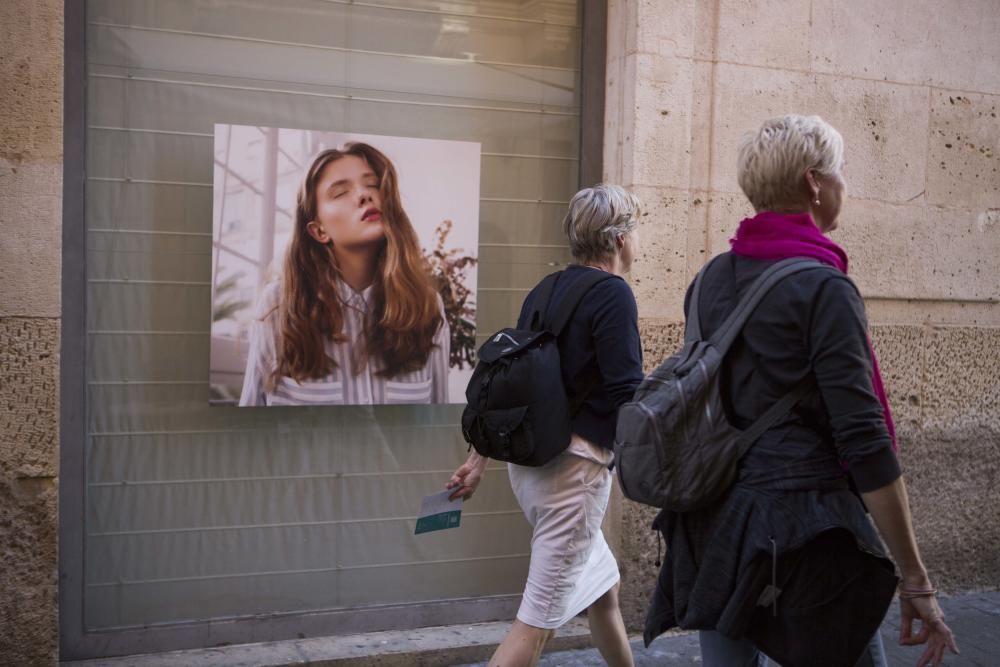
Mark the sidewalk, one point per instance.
(974, 618)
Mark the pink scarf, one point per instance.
(775, 236)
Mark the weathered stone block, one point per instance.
(952, 45)
(951, 477)
(31, 75)
(900, 352)
(619, 130)
(31, 226)
(659, 341)
(29, 418)
(666, 27)
(29, 422)
(637, 562)
(658, 275)
(725, 211)
(884, 125)
(662, 123)
(898, 251)
(702, 158)
(963, 162)
(28, 569)
(767, 33)
(962, 385)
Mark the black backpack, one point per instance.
(674, 447)
(518, 409)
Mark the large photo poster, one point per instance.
(344, 268)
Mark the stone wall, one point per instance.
(31, 76)
(914, 92)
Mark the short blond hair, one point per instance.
(597, 217)
(773, 159)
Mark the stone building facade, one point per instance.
(915, 92)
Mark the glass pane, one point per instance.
(199, 512)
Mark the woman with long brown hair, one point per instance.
(355, 318)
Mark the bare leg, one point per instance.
(607, 629)
(521, 647)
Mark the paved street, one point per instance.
(975, 619)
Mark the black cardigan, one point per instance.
(601, 338)
(792, 485)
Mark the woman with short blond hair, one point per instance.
(787, 563)
(571, 567)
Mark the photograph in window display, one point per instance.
(355, 312)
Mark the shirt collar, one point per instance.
(349, 295)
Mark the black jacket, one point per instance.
(792, 486)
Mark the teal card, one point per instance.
(438, 513)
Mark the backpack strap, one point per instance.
(723, 338)
(557, 320)
(781, 408)
(726, 334)
(541, 301)
(692, 328)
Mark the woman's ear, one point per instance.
(316, 231)
(620, 241)
(812, 183)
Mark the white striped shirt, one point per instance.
(426, 385)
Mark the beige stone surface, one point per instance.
(963, 162)
(884, 125)
(666, 28)
(723, 211)
(619, 125)
(28, 489)
(932, 313)
(962, 383)
(31, 228)
(702, 125)
(658, 276)
(767, 33)
(920, 252)
(662, 111)
(31, 73)
(948, 44)
(901, 353)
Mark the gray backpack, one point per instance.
(674, 448)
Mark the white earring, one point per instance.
(816, 201)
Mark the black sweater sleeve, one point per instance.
(615, 327)
(841, 360)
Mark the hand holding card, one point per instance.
(437, 512)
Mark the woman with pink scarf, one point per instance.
(787, 564)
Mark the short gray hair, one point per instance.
(597, 217)
(773, 159)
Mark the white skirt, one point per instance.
(571, 564)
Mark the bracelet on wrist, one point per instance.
(911, 593)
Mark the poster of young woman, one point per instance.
(343, 268)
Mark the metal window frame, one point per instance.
(75, 642)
